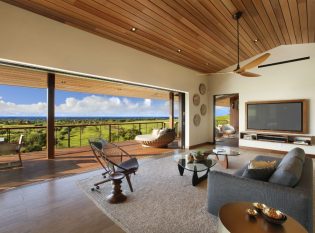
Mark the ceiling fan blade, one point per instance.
(253, 63)
(249, 74)
(211, 74)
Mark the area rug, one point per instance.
(162, 201)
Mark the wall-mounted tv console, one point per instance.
(283, 138)
(277, 141)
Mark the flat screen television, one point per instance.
(284, 116)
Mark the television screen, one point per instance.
(281, 116)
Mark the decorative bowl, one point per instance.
(273, 215)
(259, 206)
(251, 212)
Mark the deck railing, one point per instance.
(77, 135)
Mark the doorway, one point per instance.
(226, 120)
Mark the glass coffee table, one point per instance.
(225, 152)
(194, 167)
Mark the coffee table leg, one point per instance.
(225, 162)
(180, 169)
(195, 179)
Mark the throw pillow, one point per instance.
(295, 153)
(155, 132)
(254, 164)
(260, 170)
(162, 131)
(288, 172)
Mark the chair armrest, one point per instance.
(224, 188)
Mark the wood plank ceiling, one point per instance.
(199, 34)
(37, 79)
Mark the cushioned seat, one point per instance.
(131, 164)
(145, 137)
(158, 138)
(290, 169)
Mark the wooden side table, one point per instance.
(233, 218)
(116, 196)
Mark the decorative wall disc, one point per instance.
(202, 88)
(197, 119)
(203, 109)
(196, 99)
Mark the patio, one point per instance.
(69, 161)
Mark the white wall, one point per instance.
(288, 81)
(31, 38)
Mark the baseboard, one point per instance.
(271, 151)
(201, 144)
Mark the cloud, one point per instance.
(92, 105)
(147, 103)
(12, 109)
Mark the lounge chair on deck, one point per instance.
(158, 138)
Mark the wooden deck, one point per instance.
(70, 161)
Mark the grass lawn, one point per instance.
(79, 135)
(221, 120)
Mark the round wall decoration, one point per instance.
(203, 109)
(197, 119)
(196, 99)
(202, 88)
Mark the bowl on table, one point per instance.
(273, 215)
(259, 206)
(252, 212)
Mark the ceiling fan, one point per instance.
(242, 70)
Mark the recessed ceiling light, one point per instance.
(133, 29)
(256, 40)
(179, 50)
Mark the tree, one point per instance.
(128, 134)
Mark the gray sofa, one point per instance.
(296, 201)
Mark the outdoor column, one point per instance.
(181, 120)
(50, 116)
(171, 116)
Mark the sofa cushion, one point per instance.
(295, 153)
(145, 137)
(155, 132)
(288, 172)
(163, 131)
(260, 170)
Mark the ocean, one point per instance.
(36, 118)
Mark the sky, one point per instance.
(222, 111)
(24, 101)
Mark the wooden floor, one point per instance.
(50, 207)
(36, 166)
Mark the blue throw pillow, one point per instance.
(295, 153)
(288, 172)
